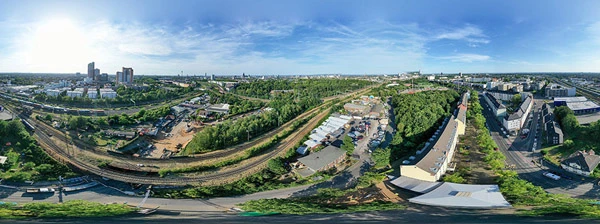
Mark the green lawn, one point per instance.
(75, 208)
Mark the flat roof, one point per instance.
(415, 185)
(464, 196)
(320, 159)
(571, 99)
(5, 115)
(582, 105)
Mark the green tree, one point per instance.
(348, 145)
(454, 178)
(381, 157)
(277, 166)
(569, 143)
(28, 166)
(48, 117)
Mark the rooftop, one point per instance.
(582, 105)
(415, 185)
(435, 156)
(318, 160)
(588, 161)
(571, 99)
(464, 196)
(495, 101)
(5, 115)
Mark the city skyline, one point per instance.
(307, 37)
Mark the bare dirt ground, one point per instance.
(178, 135)
(379, 192)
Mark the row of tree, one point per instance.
(25, 159)
(302, 87)
(237, 105)
(417, 116)
(229, 133)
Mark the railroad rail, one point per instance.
(226, 174)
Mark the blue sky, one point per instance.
(300, 37)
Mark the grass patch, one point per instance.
(326, 201)
(75, 208)
(302, 206)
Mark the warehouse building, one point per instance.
(579, 105)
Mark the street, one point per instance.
(518, 154)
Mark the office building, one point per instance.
(96, 74)
(555, 90)
(126, 76)
(91, 67)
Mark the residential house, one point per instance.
(581, 163)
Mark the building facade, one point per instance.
(581, 163)
(554, 90)
(432, 161)
(91, 67)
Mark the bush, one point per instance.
(454, 178)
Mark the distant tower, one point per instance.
(127, 75)
(96, 74)
(91, 67)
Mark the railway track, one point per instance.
(226, 175)
(246, 169)
(195, 158)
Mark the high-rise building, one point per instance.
(119, 77)
(91, 70)
(96, 74)
(128, 75)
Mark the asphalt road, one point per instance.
(518, 153)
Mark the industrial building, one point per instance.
(579, 105)
(322, 160)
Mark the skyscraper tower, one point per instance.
(91, 67)
(127, 75)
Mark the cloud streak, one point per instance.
(264, 47)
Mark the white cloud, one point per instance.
(468, 58)
(370, 47)
(472, 34)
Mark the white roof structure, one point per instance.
(415, 185)
(317, 137)
(321, 132)
(311, 143)
(571, 99)
(3, 159)
(464, 196)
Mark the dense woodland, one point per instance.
(229, 133)
(302, 87)
(26, 160)
(417, 116)
(237, 104)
